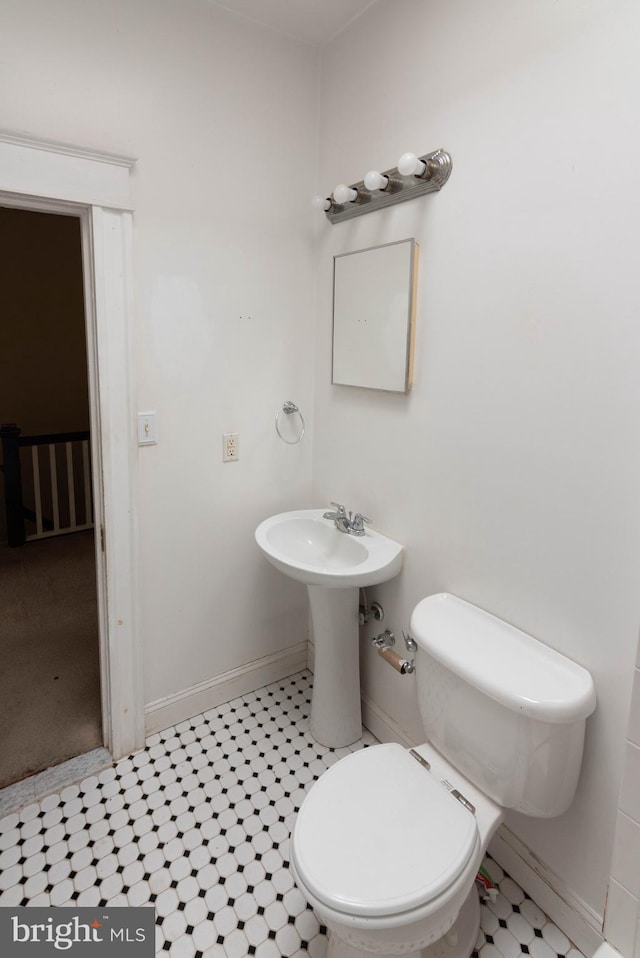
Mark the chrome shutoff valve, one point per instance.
(385, 640)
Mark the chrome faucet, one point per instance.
(344, 523)
(339, 517)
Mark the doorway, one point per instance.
(50, 700)
(53, 177)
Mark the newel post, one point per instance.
(9, 434)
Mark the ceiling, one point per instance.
(314, 21)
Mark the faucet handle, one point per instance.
(358, 522)
(341, 509)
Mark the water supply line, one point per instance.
(368, 610)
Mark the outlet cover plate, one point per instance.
(230, 447)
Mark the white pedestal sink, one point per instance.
(333, 565)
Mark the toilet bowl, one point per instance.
(397, 863)
(388, 842)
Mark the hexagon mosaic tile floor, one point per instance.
(197, 825)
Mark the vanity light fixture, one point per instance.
(376, 181)
(414, 176)
(344, 194)
(322, 203)
(410, 165)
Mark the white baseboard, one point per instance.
(567, 910)
(213, 692)
(382, 725)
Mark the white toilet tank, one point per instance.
(506, 710)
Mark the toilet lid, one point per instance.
(378, 834)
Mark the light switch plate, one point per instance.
(147, 429)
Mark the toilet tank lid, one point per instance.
(507, 665)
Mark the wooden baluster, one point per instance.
(71, 487)
(54, 486)
(36, 489)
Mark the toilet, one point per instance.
(388, 842)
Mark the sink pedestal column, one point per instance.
(336, 718)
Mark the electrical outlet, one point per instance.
(230, 447)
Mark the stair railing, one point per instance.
(60, 481)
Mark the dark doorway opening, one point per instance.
(50, 707)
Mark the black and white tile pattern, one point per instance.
(198, 825)
(513, 925)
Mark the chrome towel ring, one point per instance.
(289, 408)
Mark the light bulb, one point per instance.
(321, 203)
(375, 181)
(409, 163)
(344, 194)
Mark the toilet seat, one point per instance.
(379, 835)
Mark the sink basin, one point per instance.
(333, 565)
(310, 549)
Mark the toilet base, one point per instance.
(458, 942)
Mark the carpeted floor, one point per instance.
(49, 656)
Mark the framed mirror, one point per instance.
(374, 316)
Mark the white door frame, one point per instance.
(55, 178)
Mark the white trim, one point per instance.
(382, 725)
(55, 178)
(38, 204)
(209, 694)
(45, 168)
(66, 149)
(122, 690)
(566, 909)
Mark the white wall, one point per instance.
(220, 114)
(511, 472)
(622, 925)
